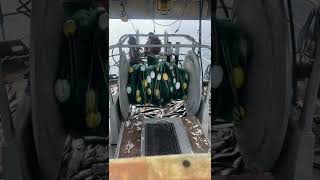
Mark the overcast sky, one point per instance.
(190, 27)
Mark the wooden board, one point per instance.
(172, 167)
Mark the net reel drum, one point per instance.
(194, 91)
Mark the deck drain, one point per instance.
(161, 139)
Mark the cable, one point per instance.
(200, 29)
(178, 27)
(23, 8)
(308, 42)
(167, 25)
(154, 26)
(294, 58)
(185, 7)
(309, 36)
(224, 7)
(2, 23)
(135, 30)
(115, 62)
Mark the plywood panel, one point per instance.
(173, 167)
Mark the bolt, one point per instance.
(186, 163)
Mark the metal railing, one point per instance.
(194, 44)
(123, 39)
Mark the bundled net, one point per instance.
(157, 84)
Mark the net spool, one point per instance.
(192, 66)
(158, 84)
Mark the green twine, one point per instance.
(234, 49)
(152, 60)
(157, 84)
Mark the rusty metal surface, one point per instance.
(197, 139)
(131, 139)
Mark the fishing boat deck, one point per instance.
(131, 131)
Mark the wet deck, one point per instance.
(130, 135)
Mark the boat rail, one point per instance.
(194, 44)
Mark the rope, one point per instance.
(294, 58)
(135, 30)
(233, 52)
(2, 23)
(308, 37)
(200, 34)
(166, 25)
(23, 8)
(225, 9)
